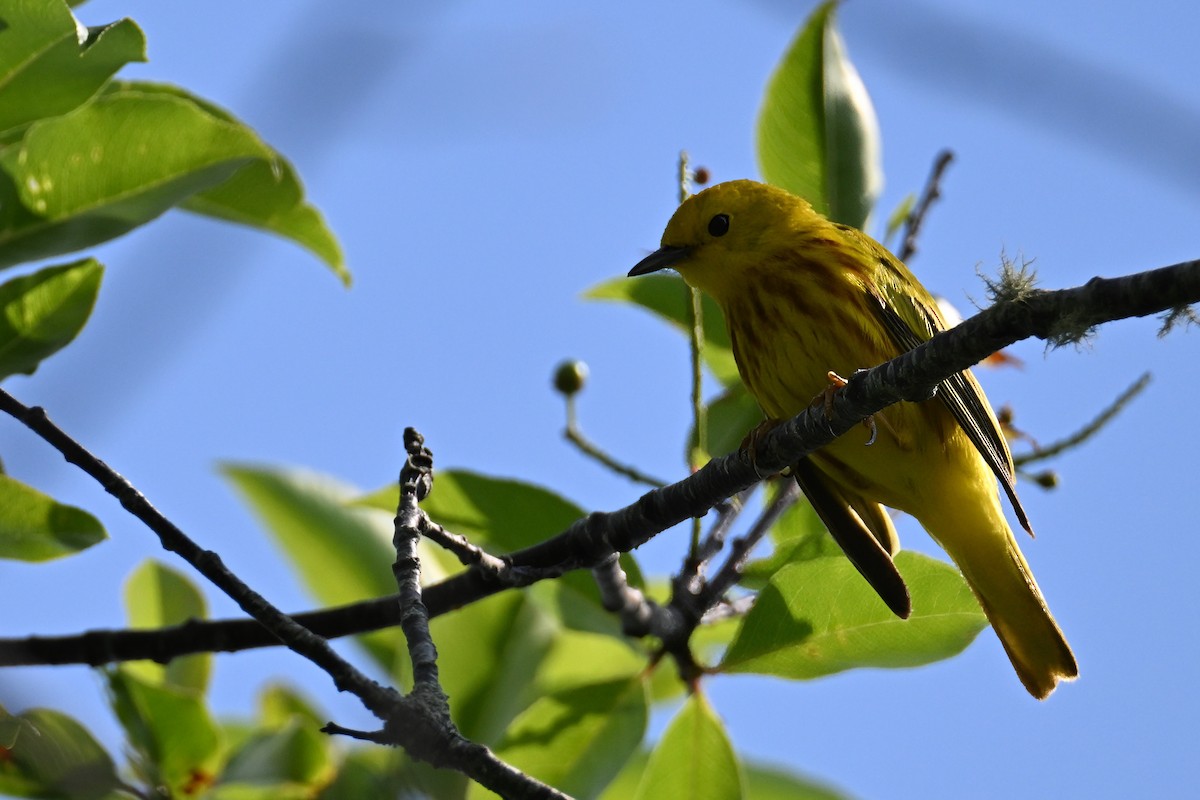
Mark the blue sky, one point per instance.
(484, 163)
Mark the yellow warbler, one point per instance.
(804, 297)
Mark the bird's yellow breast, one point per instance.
(787, 336)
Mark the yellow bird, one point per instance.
(805, 297)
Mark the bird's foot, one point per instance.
(826, 396)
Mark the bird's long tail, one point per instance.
(983, 546)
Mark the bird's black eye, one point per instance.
(719, 225)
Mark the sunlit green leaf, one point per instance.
(579, 739)
(798, 535)
(109, 166)
(267, 195)
(176, 742)
(489, 653)
(625, 784)
(499, 655)
(694, 758)
(132, 153)
(157, 596)
(817, 132)
(761, 782)
(42, 312)
(818, 617)
(270, 196)
(49, 63)
(580, 658)
(35, 527)
(344, 553)
(270, 790)
(279, 704)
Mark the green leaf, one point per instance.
(694, 758)
(577, 740)
(491, 512)
(369, 772)
(270, 197)
(267, 195)
(817, 132)
(343, 553)
(626, 783)
(50, 64)
(129, 155)
(731, 416)
(279, 704)
(34, 527)
(770, 783)
(667, 296)
(10, 729)
(898, 218)
(489, 653)
(48, 754)
(157, 596)
(293, 756)
(111, 165)
(581, 658)
(798, 535)
(176, 742)
(819, 617)
(41, 313)
(499, 655)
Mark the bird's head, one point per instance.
(714, 236)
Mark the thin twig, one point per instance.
(728, 609)
(379, 699)
(416, 481)
(931, 192)
(727, 514)
(691, 575)
(468, 555)
(1087, 431)
(574, 434)
(731, 571)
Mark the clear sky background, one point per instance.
(483, 164)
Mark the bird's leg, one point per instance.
(837, 382)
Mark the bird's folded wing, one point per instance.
(960, 393)
(857, 541)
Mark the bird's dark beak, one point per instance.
(663, 257)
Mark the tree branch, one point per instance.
(420, 722)
(282, 627)
(1062, 315)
